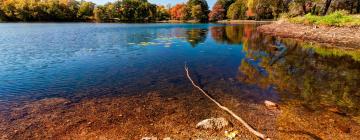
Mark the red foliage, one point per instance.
(176, 12)
(217, 13)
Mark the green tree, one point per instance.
(185, 13)
(99, 14)
(265, 9)
(202, 6)
(8, 8)
(86, 10)
(162, 13)
(137, 10)
(54, 11)
(70, 8)
(2, 14)
(110, 10)
(237, 10)
(196, 12)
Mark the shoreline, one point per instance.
(341, 37)
(244, 21)
(164, 21)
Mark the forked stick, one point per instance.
(252, 130)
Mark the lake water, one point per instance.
(88, 61)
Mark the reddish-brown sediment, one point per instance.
(347, 37)
(131, 117)
(154, 115)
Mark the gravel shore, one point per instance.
(345, 37)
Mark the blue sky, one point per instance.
(163, 2)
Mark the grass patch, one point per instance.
(338, 18)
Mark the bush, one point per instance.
(337, 18)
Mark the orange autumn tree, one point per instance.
(178, 12)
(218, 12)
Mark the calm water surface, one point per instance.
(77, 61)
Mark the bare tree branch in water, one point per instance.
(252, 130)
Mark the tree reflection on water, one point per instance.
(319, 79)
(196, 36)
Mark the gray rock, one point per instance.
(213, 123)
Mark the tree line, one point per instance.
(143, 11)
(270, 9)
(74, 10)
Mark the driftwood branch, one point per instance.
(252, 130)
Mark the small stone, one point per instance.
(280, 128)
(213, 123)
(149, 138)
(334, 109)
(344, 128)
(271, 105)
(167, 138)
(231, 79)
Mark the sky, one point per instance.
(162, 2)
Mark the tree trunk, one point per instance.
(326, 8)
(351, 7)
(313, 11)
(286, 5)
(358, 7)
(304, 8)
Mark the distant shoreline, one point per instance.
(245, 21)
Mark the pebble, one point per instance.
(271, 105)
(149, 138)
(344, 128)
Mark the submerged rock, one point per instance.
(271, 105)
(149, 138)
(213, 123)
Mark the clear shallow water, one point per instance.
(78, 61)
